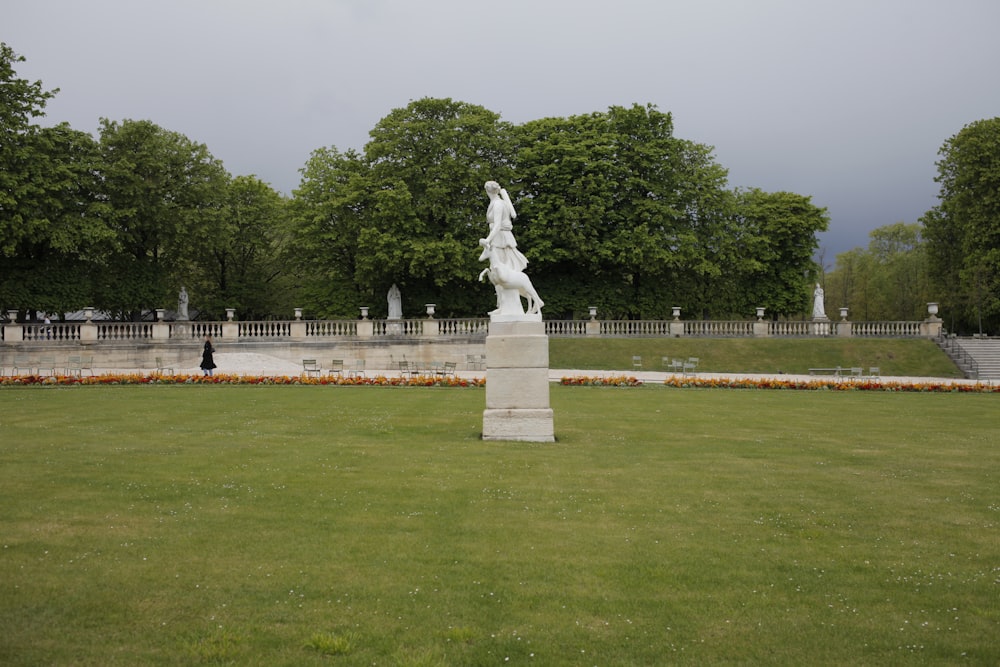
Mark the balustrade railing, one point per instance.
(720, 328)
(397, 328)
(57, 331)
(566, 327)
(124, 330)
(267, 329)
(789, 328)
(464, 326)
(13, 332)
(331, 328)
(886, 329)
(202, 329)
(635, 328)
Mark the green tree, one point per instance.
(60, 252)
(21, 102)
(849, 284)
(963, 230)
(620, 213)
(775, 236)
(429, 162)
(614, 211)
(328, 213)
(51, 235)
(888, 280)
(408, 211)
(242, 258)
(902, 281)
(163, 195)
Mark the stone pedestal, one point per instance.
(517, 382)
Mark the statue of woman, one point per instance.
(819, 312)
(499, 242)
(500, 216)
(182, 305)
(395, 300)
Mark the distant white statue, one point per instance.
(507, 263)
(819, 311)
(182, 305)
(395, 300)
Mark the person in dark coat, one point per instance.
(207, 362)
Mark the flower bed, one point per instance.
(223, 378)
(602, 381)
(830, 385)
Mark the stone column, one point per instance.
(88, 332)
(161, 331)
(931, 327)
(231, 331)
(12, 331)
(517, 382)
(429, 327)
(844, 328)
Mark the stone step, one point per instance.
(986, 353)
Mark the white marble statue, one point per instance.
(182, 305)
(507, 263)
(819, 311)
(500, 216)
(395, 300)
(511, 284)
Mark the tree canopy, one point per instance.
(615, 211)
(163, 196)
(963, 230)
(888, 280)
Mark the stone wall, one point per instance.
(127, 355)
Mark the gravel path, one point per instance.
(241, 363)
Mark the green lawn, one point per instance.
(212, 525)
(894, 356)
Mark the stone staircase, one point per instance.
(985, 352)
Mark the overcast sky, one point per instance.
(847, 101)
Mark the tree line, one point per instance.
(614, 211)
(950, 256)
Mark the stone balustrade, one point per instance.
(365, 329)
(379, 343)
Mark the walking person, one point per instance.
(207, 362)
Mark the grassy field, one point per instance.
(910, 357)
(359, 526)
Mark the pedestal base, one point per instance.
(524, 425)
(517, 383)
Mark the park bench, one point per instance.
(826, 371)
